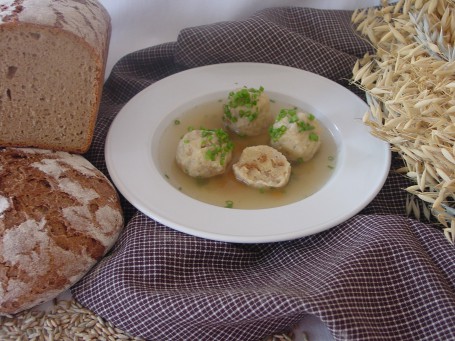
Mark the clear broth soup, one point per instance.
(224, 190)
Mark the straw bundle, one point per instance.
(410, 87)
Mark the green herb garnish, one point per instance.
(218, 144)
(276, 133)
(229, 204)
(246, 99)
(292, 117)
(314, 137)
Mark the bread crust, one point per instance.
(59, 215)
(86, 19)
(83, 23)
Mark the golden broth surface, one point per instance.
(224, 190)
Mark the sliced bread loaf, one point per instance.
(52, 60)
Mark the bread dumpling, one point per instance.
(296, 135)
(204, 153)
(262, 167)
(247, 112)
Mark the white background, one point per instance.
(138, 24)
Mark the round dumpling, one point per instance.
(247, 112)
(262, 166)
(296, 135)
(204, 153)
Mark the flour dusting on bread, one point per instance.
(58, 216)
(4, 204)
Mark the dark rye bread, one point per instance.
(52, 61)
(58, 216)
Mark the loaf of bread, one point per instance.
(59, 215)
(52, 60)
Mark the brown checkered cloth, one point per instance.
(377, 276)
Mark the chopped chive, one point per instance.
(314, 137)
(218, 144)
(292, 117)
(276, 133)
(245, 98)
(229, 204)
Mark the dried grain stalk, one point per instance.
(410, 88)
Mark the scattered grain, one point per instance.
(67, 320)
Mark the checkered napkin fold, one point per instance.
(377, 276)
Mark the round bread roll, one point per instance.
(59, 215)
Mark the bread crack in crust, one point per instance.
(58, 216)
